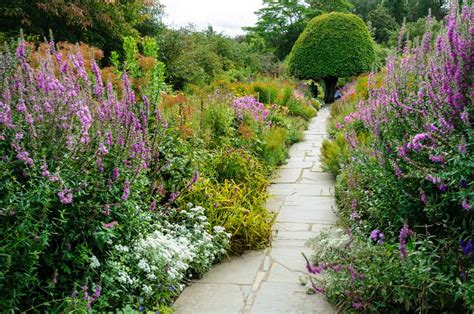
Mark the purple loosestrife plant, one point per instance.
(249, 107)
(405, 233)
(424, 110)
(77, 163)
(412, 162)
(467, 248)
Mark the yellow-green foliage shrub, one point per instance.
(266, 93)
(297, 107)
(274, 150)
(239, 209)
(217, 122)
(334, 153)
(233, 192)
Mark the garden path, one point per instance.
(267, 281)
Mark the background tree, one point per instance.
(416, 30)
(363, 7)
(420, 8)
(397, 9)
(200, 57)
(99, 23)
(332, 45)
(280, 22)
(318, 7)
(383, 23)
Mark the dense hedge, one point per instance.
(332, 45)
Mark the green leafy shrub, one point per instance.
(332, 45)
(233, 192)
(237, 165)
(295, 129)
(285, 98)
(274, 149)
(217, 122)
(298, 108)
(335, 153)
(265, 93)
(361, 275)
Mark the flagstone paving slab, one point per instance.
(268, 282)
(202, 298)
(280, 273)
(287, 176)
(308, 189)
(282, 226)
(276, 297)
(238, 270)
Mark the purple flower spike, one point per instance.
(423, 197)
(110, 225)
(374, 235)
(357, 305)
(443, 187)
(465, 205)
(126, 191)
(438, 159)
(377, 237)
(405, 232)
(65, 196)
(417, 143)
(314, 269)
(195, 177)
(467, 248)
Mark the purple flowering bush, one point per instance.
(83, 170)
(407, 172)
(248, 107)
(90, 170)
(360, 274)
(420, 123)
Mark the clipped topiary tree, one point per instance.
(332, 45)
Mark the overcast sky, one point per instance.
(227, 16)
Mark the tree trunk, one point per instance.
(330, 84)
(314, 89)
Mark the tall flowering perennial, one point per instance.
(467, 248)
(405, 233)
(75, 155)
(248, 106)
(422, 115)
(87, 118)
(410, 159)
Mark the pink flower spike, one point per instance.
(65, 196)
(110, 225)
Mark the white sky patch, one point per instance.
(226, 16)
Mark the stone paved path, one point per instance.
(267, 282)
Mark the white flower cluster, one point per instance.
(162, 260)
(94, 262)
(329, 239)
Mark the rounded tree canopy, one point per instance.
(332, 45)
